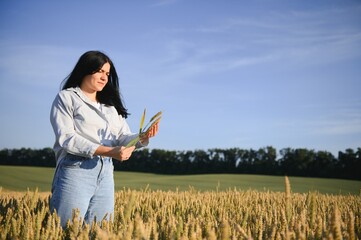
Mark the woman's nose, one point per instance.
(104, 76)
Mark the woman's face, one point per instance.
(96, 82)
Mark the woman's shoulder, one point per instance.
(66, 95)
(68, 91)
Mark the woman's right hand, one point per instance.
(123, 153)
(120, 153)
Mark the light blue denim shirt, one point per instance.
(80, 126)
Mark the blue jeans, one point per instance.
(84, 184)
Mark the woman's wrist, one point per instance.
(143, 140)
(104, 151)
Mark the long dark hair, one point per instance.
(89, 63)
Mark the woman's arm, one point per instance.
(61, 118)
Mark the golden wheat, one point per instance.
(191, 214)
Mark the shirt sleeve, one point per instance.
(61, 118)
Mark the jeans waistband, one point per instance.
(97, 157)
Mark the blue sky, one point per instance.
(245, 74)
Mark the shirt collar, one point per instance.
(83, 97)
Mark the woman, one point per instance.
(88, 118)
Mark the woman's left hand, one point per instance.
(144, 138)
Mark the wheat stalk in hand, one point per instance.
(144, 131)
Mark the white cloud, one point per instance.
(291, 39)
(341, 121)
(344, 121)
(311, 39)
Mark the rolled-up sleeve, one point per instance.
(67, 139)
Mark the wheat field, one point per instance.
(231, 214)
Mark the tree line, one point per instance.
(289, 161)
